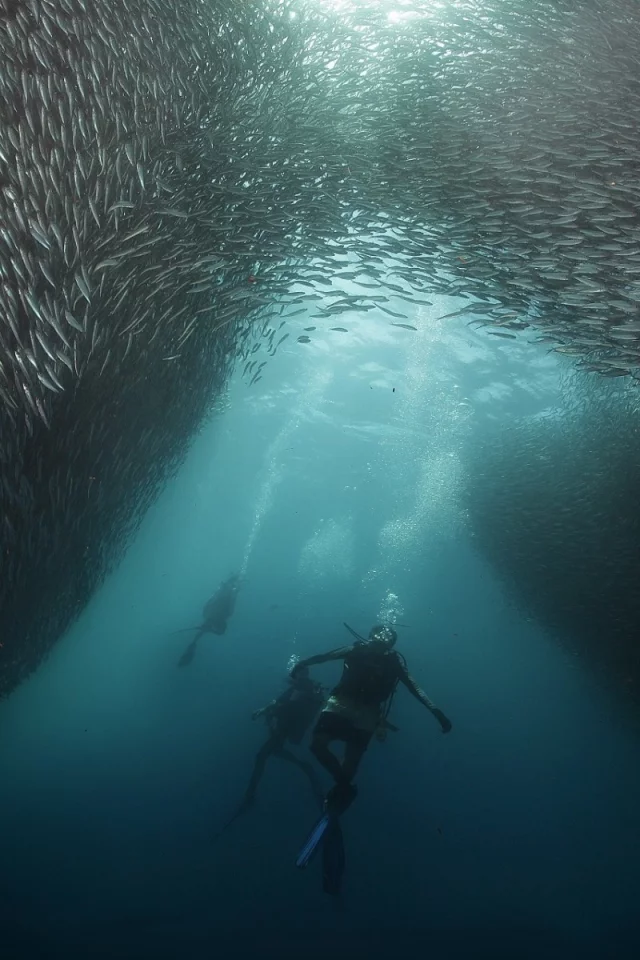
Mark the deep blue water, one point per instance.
(517, 835)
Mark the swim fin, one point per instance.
(328, 832)
(333, 859)
(313, 840)
(188, 654)
(243, 808)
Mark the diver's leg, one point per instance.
(355, 750)
(342, 795)
(320, 749)
(271, 746)
(307, 769)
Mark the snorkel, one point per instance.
(353, 633)
(382, 634)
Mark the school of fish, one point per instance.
(553, 505)
(182, 186)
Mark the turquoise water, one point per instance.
(334, 484)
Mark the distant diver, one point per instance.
(357, 709)
(215, 616)
(288, 718)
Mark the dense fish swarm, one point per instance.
(553, 505)
(168, 170)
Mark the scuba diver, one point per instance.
(359, 704)
(288, 718)
(215, 616)
(357, 709)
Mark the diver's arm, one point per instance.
(263, 711)
(413, 688)
(270, 707)
(321, 658)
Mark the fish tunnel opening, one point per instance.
(340, 298)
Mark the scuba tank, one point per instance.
(384, 725)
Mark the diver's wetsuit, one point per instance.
(356, 705)
(289, 717)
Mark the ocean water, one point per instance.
(334, 486)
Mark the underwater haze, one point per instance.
(334, 486)
(316, 315)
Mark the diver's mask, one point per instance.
(383, 636)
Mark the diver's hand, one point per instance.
(444, 722)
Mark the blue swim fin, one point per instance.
(328, 832)
(313, 840)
